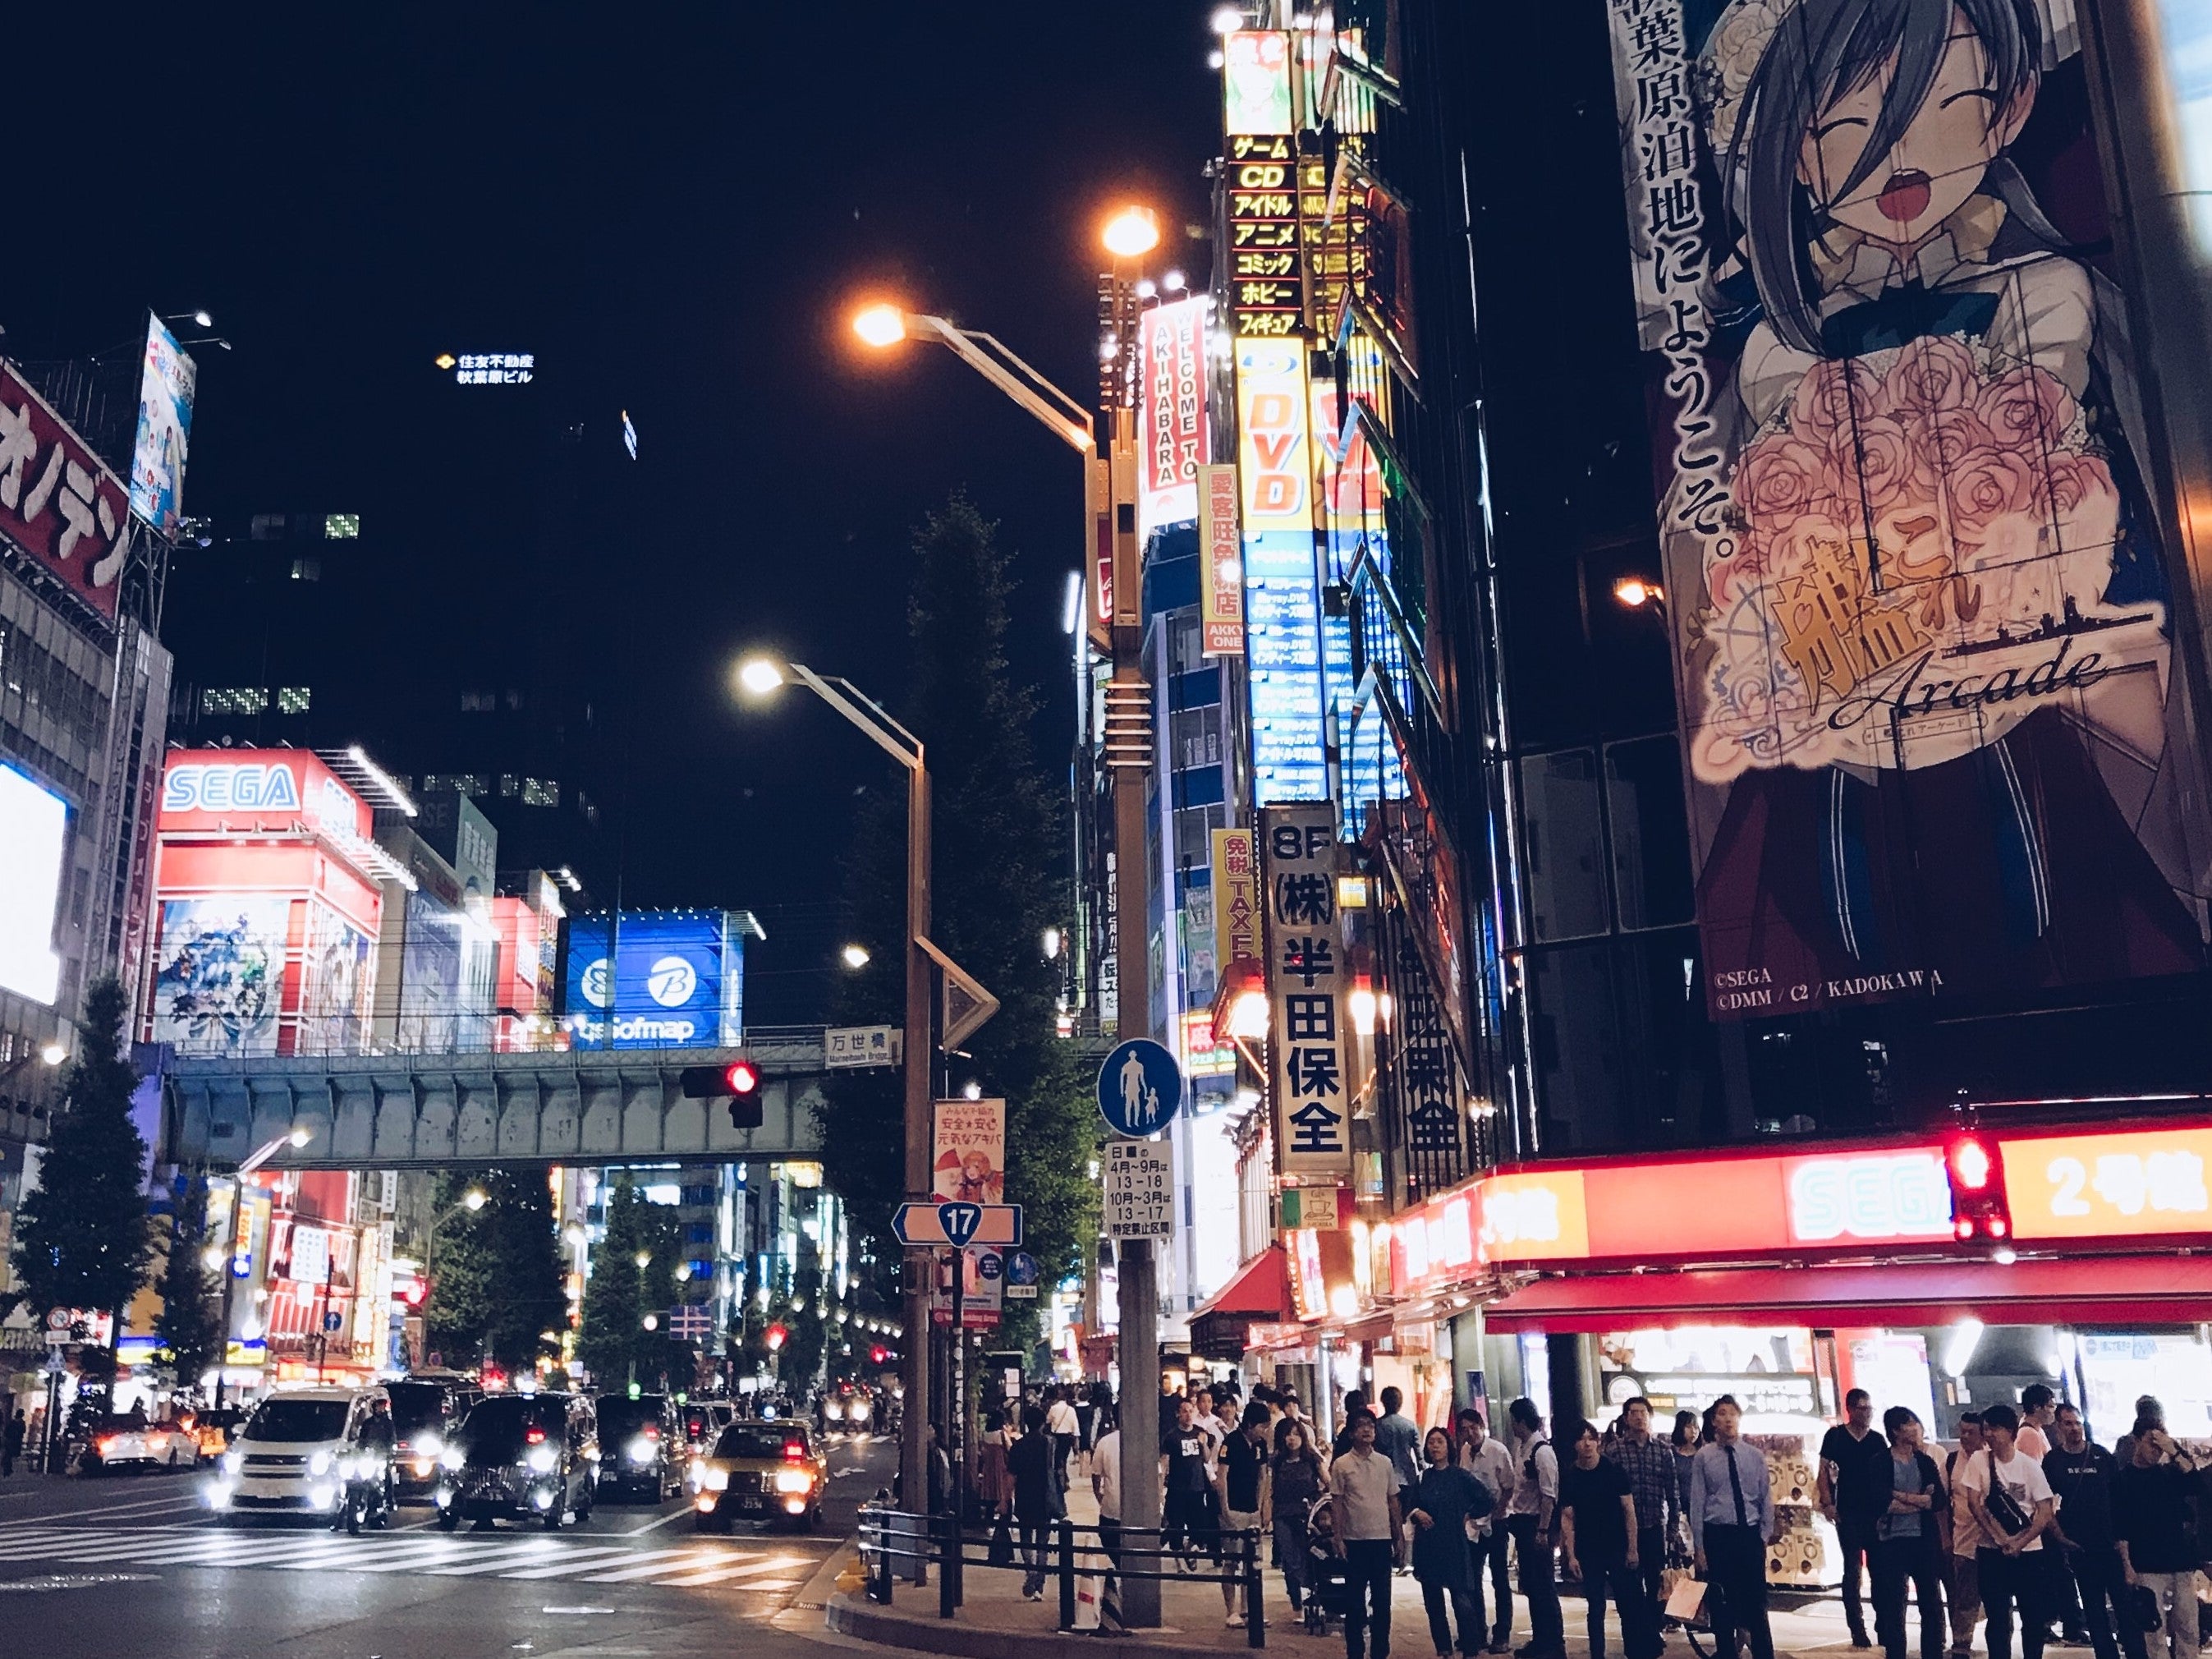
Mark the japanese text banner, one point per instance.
(1306, 985)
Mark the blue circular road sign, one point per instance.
(1021, 1268)
(990, 1265)
(1139, 1088)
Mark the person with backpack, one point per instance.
(1530, 1513)
(2012, 1498)
(1908, 1543)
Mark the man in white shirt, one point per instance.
(1362, 1487)
(1059, 1422)
(1106, 1487)
(1490, 1460)
(2012, 1501)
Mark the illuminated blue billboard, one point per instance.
(658, 979)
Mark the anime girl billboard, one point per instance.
(1936, 731)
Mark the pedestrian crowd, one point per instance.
(2027, 1526)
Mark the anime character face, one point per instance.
(1936, 162)
(976, 1167)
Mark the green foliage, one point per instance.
(620, 1294)
(82, 1239)
(997, 881)
(190, 1323)
(495, 1273)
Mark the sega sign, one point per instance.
(230, 786)
(656, 979)
(1870, 1195)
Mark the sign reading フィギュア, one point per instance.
(1139, 1189)
(1306, 993)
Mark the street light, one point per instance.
(882, 326)
(1132, 233)
(1634, 593)
(856, 956)
(297, 1137)
(761, 675)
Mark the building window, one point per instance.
(507, 782)
(342, 527)
(1563, 821)
(541, 792)
(266, 527)
(478, 702)
(468, 783)
(309, 569)
(234, 700)
(293, 699)
(513, 698)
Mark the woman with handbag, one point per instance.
(1908, 1543)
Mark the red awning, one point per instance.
(1261, 1289)
(2080, 1290)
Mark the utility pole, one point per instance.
(1129, 747)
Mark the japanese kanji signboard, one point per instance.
(1140, 1189)
(1236, 898)
(58, 501)
(1306, 988)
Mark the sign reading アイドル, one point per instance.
(1307, 983)
(1919, 571)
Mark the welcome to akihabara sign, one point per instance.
(2060, 1185)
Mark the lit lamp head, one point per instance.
(300, 1136)
(54, 1052)
(855, 955)
(1132, 233)
(473, 1199)
(879, 326)
(760, 677)
(1634, 593)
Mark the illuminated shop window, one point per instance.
(293, 699)
(234, 700)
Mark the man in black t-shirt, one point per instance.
(1854, 1493)
(1244, 1459)
(1187, 1477)
(1598, 1544)
(2080, 1476)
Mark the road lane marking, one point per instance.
(655, 1526)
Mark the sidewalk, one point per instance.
(995, 1622)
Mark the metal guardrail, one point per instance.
(889, 1536)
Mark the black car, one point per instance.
(642, 1451)
(423, 1417)
(520, 1457)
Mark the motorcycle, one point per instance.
(365, 1496)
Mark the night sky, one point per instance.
(670, 205)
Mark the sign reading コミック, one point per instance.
(1306, 988)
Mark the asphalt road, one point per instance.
(133, 1565)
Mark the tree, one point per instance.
(82, 1239)
(614, 1344)
(190, 1324)
(997, 881)
(495, 1279)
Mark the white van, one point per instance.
(293, 1452)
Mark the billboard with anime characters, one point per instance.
(219, 968)
(1937, 733)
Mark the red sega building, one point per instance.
(266, 906)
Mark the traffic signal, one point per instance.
(877, 1354)
(775, 1336)
(739, 1082)
(414, 1292)
(1978, 1208)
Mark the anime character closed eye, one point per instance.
(1930, 658)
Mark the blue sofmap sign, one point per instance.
(656, 979)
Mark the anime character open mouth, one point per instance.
(1904, 197)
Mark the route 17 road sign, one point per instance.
(957, 1225)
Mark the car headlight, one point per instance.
(715, 1480)
(428, 1444)
(452, 1458)
(232, 1462)
(791, 1480)
(319, 1463)
(831, 1412)
(542, 1460)
(640, 1450)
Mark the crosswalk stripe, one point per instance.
(402, 1558)
(603, 1558)
(648, 1568)
(64, 1552)
(495, 1558)
(719, 1573)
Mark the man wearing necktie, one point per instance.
(1731, 1523)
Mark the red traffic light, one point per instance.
(877, 1354)
(1979, 1205)
(775, 1336)
(741, 1077)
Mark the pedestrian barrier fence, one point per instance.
(1070, 1554)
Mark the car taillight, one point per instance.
(532, 1436)
(795, 1451)
(652, 1431)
